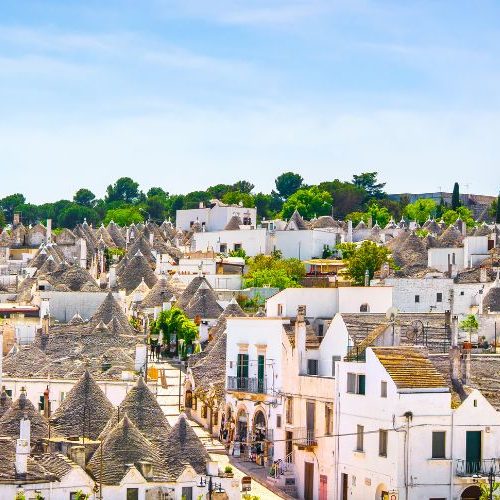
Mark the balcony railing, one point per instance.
(466, 468)
(305, 437)
(246, 384)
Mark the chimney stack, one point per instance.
(349, 231)
(454, 352)
(466, 357)
(483, 275)
(48, 235)
(23, 447)
(46, 403)
(77, 455)
(16, 220)
(300, 338)
(83, 253)
(151, 238)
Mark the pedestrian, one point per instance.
(158, 348)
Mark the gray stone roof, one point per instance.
(135, 270)
(124, 445)
(233, 224)
(142, 408)
(111, 310)
(451, 238)
(161, 292)
(184, 448)
(491, 301)
(116, 235)
(85, 410)
(190, 290)
(5, 402)
(203, 304)
(296, 222)
(74, 277)
(21, 407)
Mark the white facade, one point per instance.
(214, 218)
(253, 241)
(446, 259)
(326, 302)
(407, 466)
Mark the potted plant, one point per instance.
(470, 325)
(228, 471)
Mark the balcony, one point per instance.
(247, 384)
(305, 438)
(469, 468)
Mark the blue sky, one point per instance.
(185, 94)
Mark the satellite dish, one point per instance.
(391, 313)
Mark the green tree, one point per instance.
(455, 197)
(193, 199)
(75, 214)
(420, 210)
(236, 197)
(346, 249)
(155, 208)
(84, 197)
(494, 210)
(487, 492)
(124, 216)
(219, 190)
(10, 203)
(368, 182)
(450, 216)
(175, 322)
(157, 191)
(29, 213)
(243, 186)
(275, 271)
(368, 256)
(2, 220)
(346, 197)
(287, 184)
(309, 203)
(469, 324)
(125, 190)
(378, 214)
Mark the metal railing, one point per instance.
(477, 467)
(305, 437)
(247, 384)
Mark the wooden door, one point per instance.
(344, 486)
(473, 452)
(289, 443)
(323, 480)
(308, 480)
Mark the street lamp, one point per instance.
(206, 480)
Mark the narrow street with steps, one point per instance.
(169, 400)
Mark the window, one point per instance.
(417, 299)
(364, 308)
(438, 444)
(8, 392)
(382, 443)
(321, 329)
(383, 389)
(223, 248)
(237, 246)
(280, 309)
(360, 437)
(194, 403)
(462, 293)
(328, 419)
(41, 404)
(62, 396)
(215, 418)
(247, 221)
(355, 383)
(439, 297)
(242, 371)
(187, 493)
(312, 366)
(334, 360)
(278, 421)
(204, 411)
(289, 410)
(132, 493)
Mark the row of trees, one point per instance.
(361, 198)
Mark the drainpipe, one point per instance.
(408, 415)
(451, 452)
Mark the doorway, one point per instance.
(289, 443)
(473, 452)
(344, 486)
(308, 480)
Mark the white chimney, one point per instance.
(349, 231)
(112, 276)
(151, 238)
(466, 366)
(83, 253)
(141, 352)
(454, 331)
(23, 446)
(48, 236)
(300, 338)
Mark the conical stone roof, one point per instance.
(203, 304)
(124, 445)
(296, 222)
(190, 290)
(160, 293)
(85, 410)
(142, 408)
(135, 270)
(109, 310)
(5, 402)
(9, 423)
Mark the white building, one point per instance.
(214, 217)
(398, 431)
